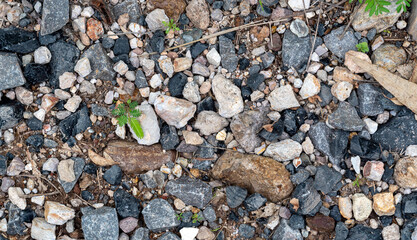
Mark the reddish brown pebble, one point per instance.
(94, 29)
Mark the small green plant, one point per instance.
(170, 25)
(379, 6)
(126, 113)
(357, 181)
(216, 229)
(362, 47)
(180, 217)
(196, 217)
(262, 6)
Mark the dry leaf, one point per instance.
(99, 160)
(295, 203)
(403, 90)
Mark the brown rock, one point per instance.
(134, 158)
(173, 8)
(321, 223)
(255, 173)
(350, 63)
(276, 43)
(405, 173)
(412, 21)
(384, 204)
(198, 13)
(258, 34)
(341, 74)
(389, 56)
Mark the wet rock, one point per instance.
(384, 204)
(159, 216)
(79, 164)
(18, 40)
(362, 21)
(283, 98)
(11, 75)
(284, 150)
(389, 56)
(333, 143)
(198, 13)
(346, 118)
(126, 204)
(255, 173)
(326, 179)
(64, 58)
(245, 128)
(174, 111)
(100, 223)
(405, 173)
(285, 232)
(57, 213)
(55, 14)
(228, 96)
(362, 207)
(321, 223)
(340, 47)
(191, 191)
(398, 133)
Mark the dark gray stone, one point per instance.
(326, 178)
(169, 236)
(148, 180)
(101, 64)
(341, 231)
(113, 175)
(3, 165)
(35, 141)
(18, 40)
(346, 118)
(409, 205)
(246, 231)
(340, 46)
(176, 84)
(227, 52)
(140, 80)
(100, 223)
(254, 202)
(64, 58)
(408, 229)
(34, 124)
(79, 164)
(130, 7)
(55, 14)
(209, 214)
(76, 123)
(255, 80)
(325, 94)
(398, 133)
(300, 176)
(308, 197)
(331, 142)
(11, 75)
(99, 110)
(360, 232)
(140, 234)
(267, 59)
(191, 191)
(297, 221)
(15, 225)
(159, 215)
(370, 100)
(169, 137)
(10, 114)
(235, 196)
(126, 204)
(285, 232)
(49, 143)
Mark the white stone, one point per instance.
(155, 81)
(39, 200)
(174, 111)
(401, 24)
(213, 57)
(109, 97)
(40, 114)
(228, 96)
(411, 151)
(61, 94)
(284, 150)
(191, 92)
(137, 29)
(66, 80)
(311, 86)
(370, 125)
(57, 213)
(66, 170)
(73, 103)
(24, 96)
(192, 138)
(362, 207)
(258, 51)
(75, 11)
(42, 55)
(16, 196)
(87, 12)
(392, 232)
(155, 18)
(308, 146)
(342, 90)
(298, 83)
(188, 233)
(297, 5)
(3, 225)
(121, 67)
(83, 67)
(8, 137)
(51, 165)
(299, 28)
(356, 164)
(283, 98)
(166, 66)
(150, 125)
(42, 230)
(121, 131)
(274, 116)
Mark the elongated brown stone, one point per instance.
(134, 158)
(256, 173)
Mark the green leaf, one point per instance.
(399, 8)
(122, 120)
(133, 104)
(362, 47)
(135, 126)
(369, 6)
(135, 112)
(383, 9)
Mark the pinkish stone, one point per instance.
(128, 224)
(373, 170)
(48, 102)
(280, 13)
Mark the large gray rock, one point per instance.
(101, 223)
(101, 64)
(346, 118)
(285, 232)
(295, 50)
(79, 164)
(130, 7)
(191, 191)
(10, 114)
(245, 128)
(55, 14)
(140, 234)
(159, 215)
(308, 198)
(326, 178)
(340, 46)
(64, 58)
(11, 75)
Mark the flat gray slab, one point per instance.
(11, 75)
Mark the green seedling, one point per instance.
(180, 217)
(262, 6)
(126, 113)
(380, 6)
(196, 217)
(357, 181)
(170, 25)
(362, 47)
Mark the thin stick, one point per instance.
(39, 194)
(314, 42)
(42, 177)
